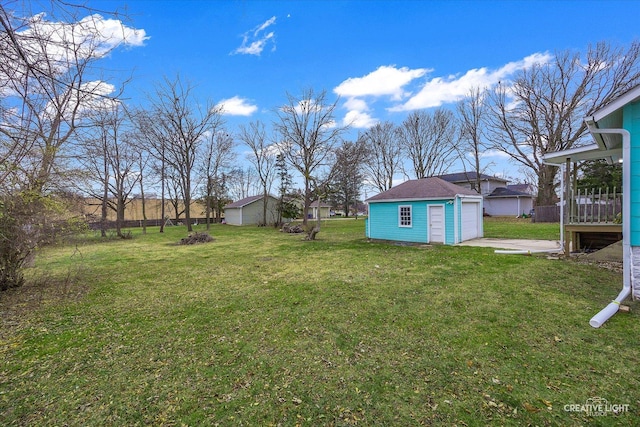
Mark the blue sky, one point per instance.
(383, 58)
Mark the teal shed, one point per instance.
(427, 210)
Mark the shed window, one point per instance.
(404, 215)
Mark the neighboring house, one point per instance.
(249, 211)
(325, 210)
(503, 201)
(469, 179)
(500, 198)
(524, 188)
(616, 131)
(428, 210)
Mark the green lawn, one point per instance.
(520, 228)
(262, 328)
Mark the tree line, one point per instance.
(65, 130)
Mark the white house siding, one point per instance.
(233, 216)
(508, 206)
(251, 214)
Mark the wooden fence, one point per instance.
(546, 214)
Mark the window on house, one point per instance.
(404, 216)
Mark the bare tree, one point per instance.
(384, 155)
(241, 182)
(111, 159)
(262, 157)
(308, 133)
(181, 126)
(49, 80)
(543, 109)
(471, 115)
(347, 176)
(148, 138)
(45, 72)
(218, 158)
(143, 159)
(175, 196)
(427, 139)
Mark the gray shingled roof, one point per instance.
(422, 189)
(243, 202)
(507, 192)
(469, 177)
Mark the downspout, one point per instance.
(457, 236)
(612, 308)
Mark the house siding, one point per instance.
(508, 206)
(631, 122)
(383, 221)
(251, 214)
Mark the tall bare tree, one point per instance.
(471, 116)
(428, 141)
(182, 126)
(49, 79)
(218, 157)
(148, 138)
(49, 82)
(543, 108)
(111, 160)
(384, 156)
(308, 133)
(262, 157)
(242, 182)
(347, 175)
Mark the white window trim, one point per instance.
(410, 216)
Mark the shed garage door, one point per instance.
(470, 219)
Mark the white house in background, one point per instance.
(500, 199)
(468, 180)
(325, 210)
(249, 211)
(503, 201)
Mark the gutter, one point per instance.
(612, 308)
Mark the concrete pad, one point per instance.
(515, 244)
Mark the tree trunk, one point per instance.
(546, 186)
(162, 184)
(144, 207)
(265, 200)
(312, 232)
(119, 216)
(207, 210)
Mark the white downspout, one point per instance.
(612, 308)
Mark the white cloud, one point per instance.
(493, 153)
(236, 106)
(385, 81)
(255, 40)
(93, 35)
(359, 119)
(441, 90)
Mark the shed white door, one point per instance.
(470, 218)
(436, 224)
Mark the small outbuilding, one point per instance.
(249, 211)
(428, 210)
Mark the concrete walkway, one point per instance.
(514, 244)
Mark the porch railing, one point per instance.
(595, 206)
